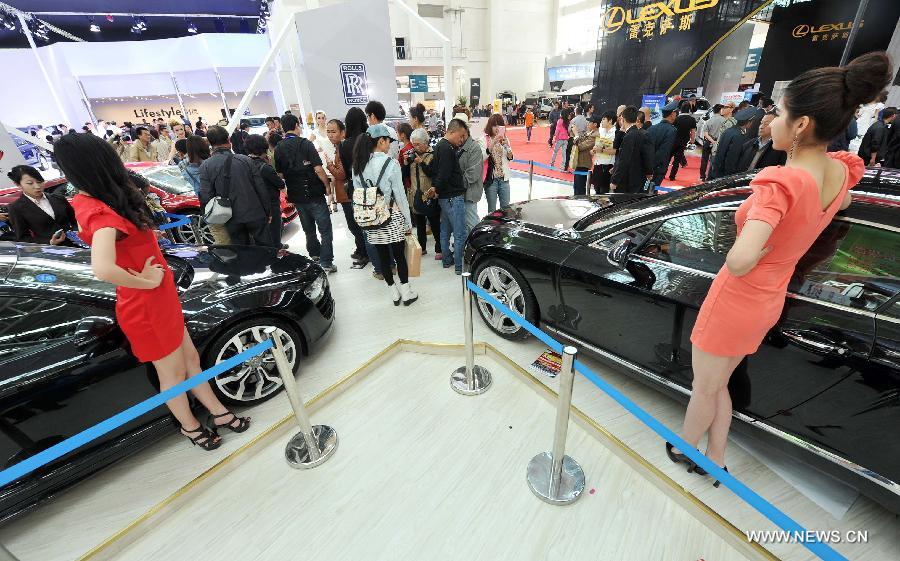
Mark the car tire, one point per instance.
(256, 380)
(504, 282)
(185, 234)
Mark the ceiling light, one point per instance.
(191, 28)
(109, 18)
(94, 27)
(8, 21)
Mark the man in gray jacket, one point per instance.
(249, 224)
(472, 155)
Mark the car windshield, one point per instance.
(256, 121)
(169, 179)
(57, 268)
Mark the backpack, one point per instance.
(369, 208)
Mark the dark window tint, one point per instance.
(29, 325)
(698, 241)
(852, 265)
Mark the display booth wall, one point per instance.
(134, 68)
(208, 106)
(348, 56)
(817, 33)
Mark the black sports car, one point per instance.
(624, 279)
(65, 366)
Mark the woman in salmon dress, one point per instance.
(114, 219)
(788, 209)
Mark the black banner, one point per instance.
(474, 92)
(651, 46)
(815, 34)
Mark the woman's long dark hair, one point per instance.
(362, 152)
(93, 167)
(356, 122)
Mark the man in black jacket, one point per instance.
(662, 138)
(757, 153)
(731, 144)
(239, 136)
(249, 223)
(298, 162)
(634, 160)
(874, 143)
(447, 182)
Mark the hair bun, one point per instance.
(866, 77)
(10, 175)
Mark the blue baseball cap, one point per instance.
(745, 114)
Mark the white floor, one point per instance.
(365, 324)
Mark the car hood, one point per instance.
(560, 213)
(220, 272)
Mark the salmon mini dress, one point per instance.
(739, 311)
(152, 320)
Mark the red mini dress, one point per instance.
(151, 319)
(739, 311)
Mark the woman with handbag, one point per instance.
(256, 147)
(425, 208)
(375, 171)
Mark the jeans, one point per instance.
(422, 221)
(358, 236)
(580, 182)
(471, 215)
(314, 215)
(560, 145)
(528, 133)
(704, 159)
(252, 233)
(569, 144)
(497, 187)
(453, 221)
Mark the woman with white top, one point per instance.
(371, 160)
(319, 138)
(604, 153)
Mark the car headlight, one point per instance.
(315, 291)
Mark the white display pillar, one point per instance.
(50, 84)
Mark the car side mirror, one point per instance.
(92, 328)
(618, 253)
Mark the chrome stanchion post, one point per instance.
(313, 445)
(469, 379)
(554, 477)
(530, 177)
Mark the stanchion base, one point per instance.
(481, 380)
(297, 454)
(571, 484)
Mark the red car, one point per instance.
(175, 194)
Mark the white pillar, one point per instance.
(43, 69)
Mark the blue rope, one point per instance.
(748, 495)
(177, 220)
(58, 450)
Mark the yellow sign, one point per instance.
(825, 32)
(643, 23)
(498, 106)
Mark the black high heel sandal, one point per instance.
(206, 439)
(243, 423)
(680, 458)
(716, 482)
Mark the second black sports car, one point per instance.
(625, 280)
(65, 366)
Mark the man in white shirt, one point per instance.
(161, 148)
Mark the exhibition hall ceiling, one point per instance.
(131, 20)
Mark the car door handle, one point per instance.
(815, 342)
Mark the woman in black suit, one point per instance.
(37, 217)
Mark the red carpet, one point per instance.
(538, 151)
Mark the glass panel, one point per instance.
(699, 241)
(170, 180)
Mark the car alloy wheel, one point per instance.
(185, 233)
(257, 379)
(502, 285)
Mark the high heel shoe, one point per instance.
(236, 424)
(206, 439)
(716, 482)
(680, 458)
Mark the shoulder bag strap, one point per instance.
(227, 175)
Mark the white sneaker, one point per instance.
(408, 295)
(395, 294)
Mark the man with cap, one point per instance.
(731, 143)
(661, 138)
(685, 126)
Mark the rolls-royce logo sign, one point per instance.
(355, 84)
(655, 18)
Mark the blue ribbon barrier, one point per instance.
(55, 452)
(177, 220)
(748, 495)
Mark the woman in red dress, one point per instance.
(113, 218)
(777, 224)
